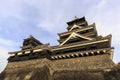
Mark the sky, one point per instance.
(45, 18)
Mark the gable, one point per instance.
(75, 26)
(74, 35)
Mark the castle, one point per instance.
(80, 51)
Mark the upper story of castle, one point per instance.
(79, 40)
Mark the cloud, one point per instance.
(102, 3)
(10, 8)
(3, 57)
(6, 42)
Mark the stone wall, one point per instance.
(90, 62)
(25, 70)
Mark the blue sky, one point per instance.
(45, 18)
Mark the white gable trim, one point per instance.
(73, 35)
(75, 26)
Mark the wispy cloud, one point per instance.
(6, 42)
(3, 57)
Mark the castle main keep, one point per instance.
(80, 51)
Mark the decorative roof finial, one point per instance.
(75, 18)
(30, 36)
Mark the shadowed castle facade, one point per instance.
(81, 53)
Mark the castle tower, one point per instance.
(80, 50)
(82, 39)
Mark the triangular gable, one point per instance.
(75, 26)
(73, 35)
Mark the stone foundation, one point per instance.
(54, 69)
